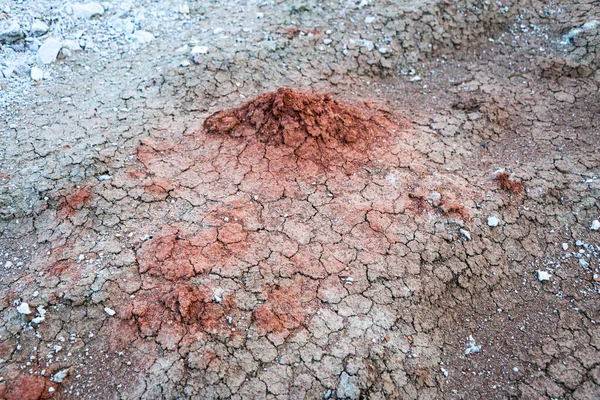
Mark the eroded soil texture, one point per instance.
(300, 200)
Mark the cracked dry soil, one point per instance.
(202, 230)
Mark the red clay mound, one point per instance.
(291, 117)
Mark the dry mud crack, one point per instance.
(288, 200)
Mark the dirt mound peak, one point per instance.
(290, 117)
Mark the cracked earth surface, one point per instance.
(187, 227)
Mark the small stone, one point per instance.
(60, 375)
(565, 246)
(87, 10)
(24, 309)
(327, 41)
(184, 9)
(493, 221)
(542, 276)
(71, 45)
(11, 34)
(51, 389)
(65, 53)
(444, 371)
(369, 45)
(473, 348)
(199, 50)
(49, 51)
(104, 178)
(465, 233)
(142, 36)
(595, 225)
(370, 20)
(109, 311)
(8, 264)
(38, 28)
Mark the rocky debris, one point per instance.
(542, 276)
(472, 348)
(37, 74)
(60, 375)
(49, 50)
(493, 221)
(465, 233)
(71, 45)
(199, 50)
(595, 225)
(38, 28)
(24, 309)
(142, 36)
(87, 10)
(109, 311)
(11, 34)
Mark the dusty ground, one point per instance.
(146, 254)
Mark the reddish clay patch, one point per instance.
(506, 182)
(75, 201)
(282, 311)
(27, 387)
(292, 117)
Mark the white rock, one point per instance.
(327, 41)
(38, 28)
(142, 36)
(8, 264)
(199, 50)
(183, 49)
(542, 276)
(493, 221)
(184, 9)
(11, 34)
(109, 311)
(49, 50)
(60, 375)
(473, 348)
(51, 389)
(370, 20)
(444, 371)
(65, 52)
(71, 45)
(23, 308)
(87, 10)
(465, 233)
(369, 45)
(565, 246)
(595, 225)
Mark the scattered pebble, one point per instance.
(87, 10)
(542, 276)
(38, 28)
(595, 225)
(493, 221)
(199, 50)
(71, 45)
(49, 51)
(444, 371)
(60, 375)
(11, 34)
(473, 348)
(24, 309)
(143, 36)
(465, 233)
(109, 311)
(565, 246)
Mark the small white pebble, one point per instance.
(565, 246)
(23, 308)
(542, 275)
(493, 221)
(109, 311)
(466, 234)
(595, 225)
